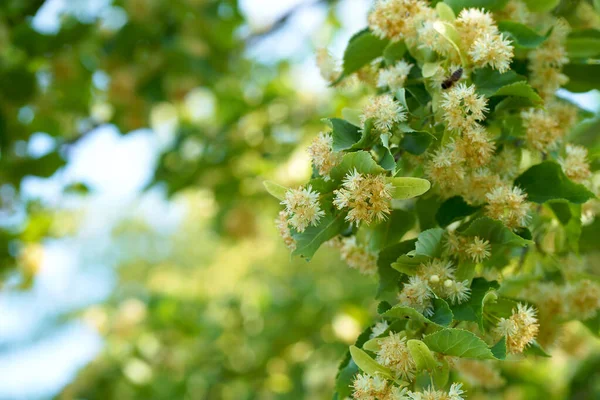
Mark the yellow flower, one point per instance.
(385, 112)
(493, 50)
(358, 256)
(479, 249)
(393, 353)
(462, 107)
(302, 207)
(397, 19)
(520, 328)
(508, 205)
(575, 163)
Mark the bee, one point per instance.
(452, 79)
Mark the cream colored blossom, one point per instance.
(520, 329)
(366, 387)
(472, 24)
(478, 183)
(322, 155)
(546, 62)
(492, 50)
(508, 205)
(542, 130)
(368, 197)
(479, 373)
(358, 256)
(385, 112)
(575, 164)
(379, 328)
(282, 224)
(445, 169)
(582, 299)
(463, 107)
(506, 163)
(455, 393)
(457, 291)
(475, 147)
(329, 67)
(302, 207)
(417, 294)
(393, 353)
(478, 249)
(394, 77)
(397, 19)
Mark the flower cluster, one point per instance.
(542, 129)
(480, 35)
(575, 164)
(357, 256)
(302, 207)
(463, 107)
(520, 328)
(394, 77)
(385, 112)
(322, 155)
(367, 197)
(547, 61)
(366, 387)
(328, 66)
(434, 278)
(393, 353)
(397, 19)
(508, 204)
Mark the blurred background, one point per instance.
(138, 253)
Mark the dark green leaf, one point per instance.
(394, 52)
(472, 310)
(541, 5)
(547, 181)
(362, 48)
(495, 232)
(522, 35)
(453, 209)
(519, 89)
(389, 277)
(583, 77)
(391, 230)
(309, 241)
(499, 349)
(442, 315)
(489, 81)
(458, 5)
(416, 142)
(344, 134)
(429, 242)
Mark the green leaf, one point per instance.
(562, 210)
(362, 48)
(541, 5)
(495, 232)
(402, 312)
(522, 35)
(442, 315)
(534, 349)
(344, 379)
(388, 276)
(360, 160)
(472, 310)
(519, 89)
(499, 349)
(445, 12)
(588, 240)
(372, 345)
(394, 52)
(583, 77)
(547, 181)
(368, 365)
(416, 142)
(489, 81)
(309, 241)
(275, 189)
(454, 209)
(408, 264)
(492, 5)
(427, 207)
(593, 324)
(392, 229)
(458, 343)
(408, 187)
(448, 31)
(429, 242)
(421, 355)
(583, 47)
(344, 134)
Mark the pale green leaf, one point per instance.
(368, 365)
(275, 189)
(421, 355)
(409, 187)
